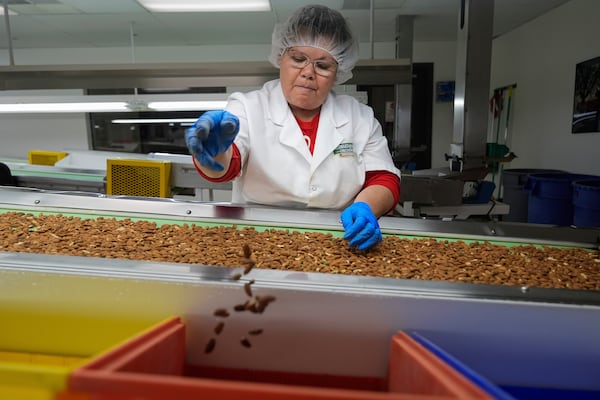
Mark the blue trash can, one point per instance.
(586, 203)
(514, 193)
(551, 198)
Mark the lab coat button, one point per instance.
(313, 188)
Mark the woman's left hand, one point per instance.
(361, 226)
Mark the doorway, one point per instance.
(381, 98)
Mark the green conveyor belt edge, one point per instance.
(175, 221)
(60, 175)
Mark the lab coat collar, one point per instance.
(279, 110)
(328, 138)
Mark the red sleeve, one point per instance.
(235, 166)
(384, 178)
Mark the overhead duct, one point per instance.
(177, 75)
(473, 65)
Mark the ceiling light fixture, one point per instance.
(111, 106)
(186, 105)
(205, 5)
(182, 121)
(117, 103)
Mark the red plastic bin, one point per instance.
(152, 366)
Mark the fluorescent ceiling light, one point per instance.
(105, 103)
(205, 5)
(154, 121)
(113, 106)
(186, 105)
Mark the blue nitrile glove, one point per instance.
(210, 135)
(361, 226)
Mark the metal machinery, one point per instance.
(135, 174)
(320, 324)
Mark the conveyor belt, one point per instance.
(68, 177)
(24, 169)
(57, 178)
(93, 204)
(319, 323)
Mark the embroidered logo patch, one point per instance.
(344, 150)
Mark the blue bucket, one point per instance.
(586, 203)
(551, 198)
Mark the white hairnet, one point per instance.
(321, 27)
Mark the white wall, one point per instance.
(20, 133)
(540, 57)
(42, 132)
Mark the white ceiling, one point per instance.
(109, 23)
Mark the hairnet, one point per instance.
(321, 27)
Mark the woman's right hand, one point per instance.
(211, 134)
(361, 226)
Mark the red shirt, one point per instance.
(309, 130)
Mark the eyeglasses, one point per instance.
(300, 60)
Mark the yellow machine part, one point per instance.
(43, 157)
(146, 178)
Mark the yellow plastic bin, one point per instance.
(39, 351)
(44, 157)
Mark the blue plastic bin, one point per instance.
(477, 379)
(484, 194)
(514, 193)
(586, 203)
(555, 382)
(551, 198)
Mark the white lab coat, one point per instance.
(277, 167)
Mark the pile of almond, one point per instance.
(314, 251)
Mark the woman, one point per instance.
(295, 143)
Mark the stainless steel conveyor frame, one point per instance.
(320, 323)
